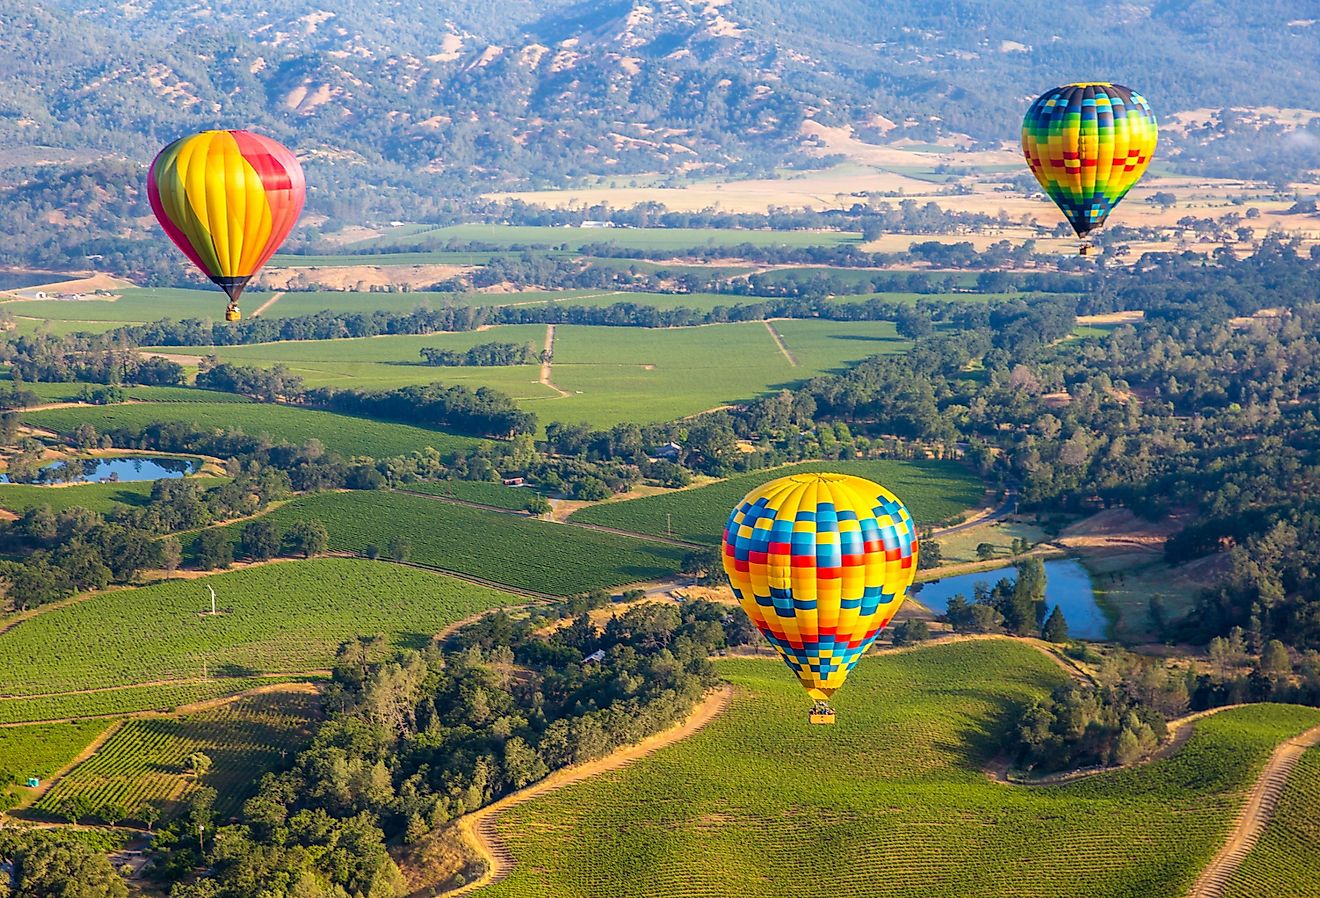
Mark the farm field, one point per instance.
(1286, 861)
(343, 434)
(294, 304)
(116, 701)
(68, 392)
(382, 258)
(483, 493)
(288, 617)
(101, 497)
(535, 555)
(612, 374)
(896, 786)
(574, 239)
(132, 305)
(144, 761)
(932, 490)
(42, 749)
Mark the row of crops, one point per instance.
(1286, 861)
(278, 618)
(542, 556)
(891, 801)
(127, 699)
(146, 761)
(932, 490)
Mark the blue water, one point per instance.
(1067, 585)
(94, 470)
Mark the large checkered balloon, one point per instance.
(821, 563)
(1088, 144)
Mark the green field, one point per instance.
(494, 494)
(101, 497)
(541, 556)
(143, 762)
(280, 618)
(383, 259)
(131, 699)
(68, 392)
(292, 305)
(573, 239)
(932, 490)
(344, 434)
(891, 801)
(612, 374)
(130, 306)
(1286, 861)
(42, 749)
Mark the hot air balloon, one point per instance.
(1087, 144)
(821, 563)
(227, 199)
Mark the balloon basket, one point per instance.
(821, 715)
(233, 314)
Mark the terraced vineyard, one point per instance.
(932, 490)
(128, 699)
(891, 801)
(540, 556)
(344, 434)
(144, 762)
(1286, 861)
(280, 618)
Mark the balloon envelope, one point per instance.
(1088, 144)
(821, 563)
(228, 199)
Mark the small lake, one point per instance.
(1067, 585)
(123, 470)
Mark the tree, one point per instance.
(213, 550)
(704, 566)
(930, 555)
(1128, 747)
(197, 764)
(538, 505)
(307, 538)
(171, 555)
(49, 866)
(1275, 660)
(1056, 627)
(911, 631)
(260, 540)
(400, 548)
(985, 551)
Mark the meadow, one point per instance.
(280, 618)
(1285, 862)
(144, 761)
(611, 375)
(891, 801)
(541, 556)
(932, 490)
(344, 434)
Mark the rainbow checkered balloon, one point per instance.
(1088, 144)
(821, 563)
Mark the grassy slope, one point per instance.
(1286, 861)
(933, 491)
(344, 434)
(281, 618)
(889, 802)
(536, 555)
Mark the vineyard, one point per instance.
(483, 493)
(344, 434)
(932, 490)
(1286, 861)
(41, 750)
(891, 801)
(279, 618)
(100, 497)
(127, 699)
(144, 761)
(524, 553)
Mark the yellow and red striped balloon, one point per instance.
(821, 563)
(228, 199)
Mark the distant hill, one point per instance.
(448, 98)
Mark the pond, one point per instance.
(123, 470)
(1067, 585)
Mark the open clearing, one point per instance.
(279, 618)
(895, 786)
(540, 556)
(344, 434)
(932, 490)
